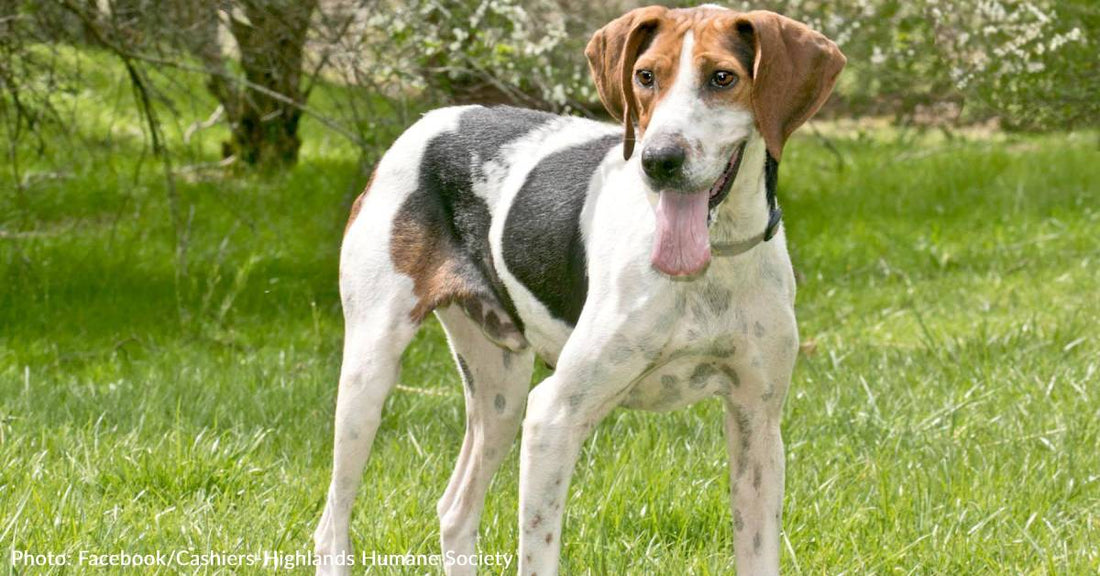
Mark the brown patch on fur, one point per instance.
(794, 71)
(608, 56)
(719, 46)
(358, 203)
(430, 260)
(442, 275)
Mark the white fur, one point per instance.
(643, 340)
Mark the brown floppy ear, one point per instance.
(611, 54)
(794, 72)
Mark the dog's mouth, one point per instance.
(721, 187)
(681, 242)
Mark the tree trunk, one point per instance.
(272, 43)
(271, 36)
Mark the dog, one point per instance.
(646, 262)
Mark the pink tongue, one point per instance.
(681, 246)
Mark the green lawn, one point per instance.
(944, 417)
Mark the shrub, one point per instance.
(1030, 63)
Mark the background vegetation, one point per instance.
(170, 326)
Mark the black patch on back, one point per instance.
(542, 240)
(445, 203)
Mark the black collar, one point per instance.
(775, 215)
(771, 182)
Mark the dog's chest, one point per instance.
(707, 343)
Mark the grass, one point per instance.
(944, 418)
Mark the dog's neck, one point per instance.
(744, 214)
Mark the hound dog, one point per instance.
(646, 262)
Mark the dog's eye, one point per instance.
(723, 79)
(644, 77)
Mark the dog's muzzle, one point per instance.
(681, 243)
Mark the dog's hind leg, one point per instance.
(372, 355)
(377, 301)
(496, 381)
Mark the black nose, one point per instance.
(663, 162)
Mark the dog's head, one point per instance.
(698, 82)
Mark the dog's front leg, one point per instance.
(562, 411)
(756, 486)
(753, 411)
(557, 424)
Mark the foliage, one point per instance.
(490, 50)
(1031, 63)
